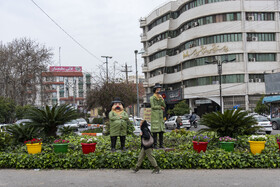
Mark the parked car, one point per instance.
(23, 121)
(265, 123)
(171, 122)
(73, 123)
(2, 127)
(137, 126)
(82, 123)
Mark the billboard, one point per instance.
(66, 68)
(272, 83)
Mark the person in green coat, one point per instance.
(118, 120)
(157, 122)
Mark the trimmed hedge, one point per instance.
(213, 159)
(184, 157)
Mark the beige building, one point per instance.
(184, 40)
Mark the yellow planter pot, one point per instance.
(257, 146)
(34, 148)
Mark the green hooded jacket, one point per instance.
(118, 126)
(157, 122)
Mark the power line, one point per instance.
(79, 44)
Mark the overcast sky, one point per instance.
(106, 27)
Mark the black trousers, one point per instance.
(160, 139)
(114, 141)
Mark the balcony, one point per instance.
(145, 69)
(143, 37)
(143, 22)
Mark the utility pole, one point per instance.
(126, 70)
(137, 89)
(107, 75)
(115, 70)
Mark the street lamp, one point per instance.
(219, 66)
(137, 87)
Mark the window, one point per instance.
(261, 57)
(202, 81)
(259, 16)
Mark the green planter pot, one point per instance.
(227, 146)
(60, 148)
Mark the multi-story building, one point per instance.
(65, 84)
(184, 40)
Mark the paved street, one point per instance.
(61, 178)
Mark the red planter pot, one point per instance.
(88, 147)
(200, 146)
(278, 144)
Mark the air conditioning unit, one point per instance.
(258, 80)
(254, 38)
(192, 45)
(252, 59)
(170, 88)
(186, 27)
(251, 80)
(251, 18)
(195, 24)
(249, 38)
(182, 29)
(159, 72)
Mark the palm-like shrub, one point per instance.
(232, 123)
(21, 132)
(50, 118)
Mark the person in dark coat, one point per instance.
(145, 134)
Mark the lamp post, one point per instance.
(137, 88)
(219, 66)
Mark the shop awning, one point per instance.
(271, 99)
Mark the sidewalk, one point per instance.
(116, 178)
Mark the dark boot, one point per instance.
(155, 140)
(156, 170)
(161, 140)
(123, 143)
(135, 169)
(113, 143)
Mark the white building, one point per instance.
(184, 40)
(65, 84)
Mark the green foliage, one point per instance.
(21, 133)
(180, 109)
(184, 157)
(7, 110)
(97, 121)
(96, 130)
(50, 118)
(232, 123)
(67, 130)
(21, 111)
(262, 108)
(5, 140)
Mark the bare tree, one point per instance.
(103, 91)
(22, 62)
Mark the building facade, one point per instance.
(185, 40)
(65, 85)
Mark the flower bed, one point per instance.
(184, 157)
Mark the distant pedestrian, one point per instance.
(178, 122)
(146, 134)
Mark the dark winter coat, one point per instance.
(145, 134)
